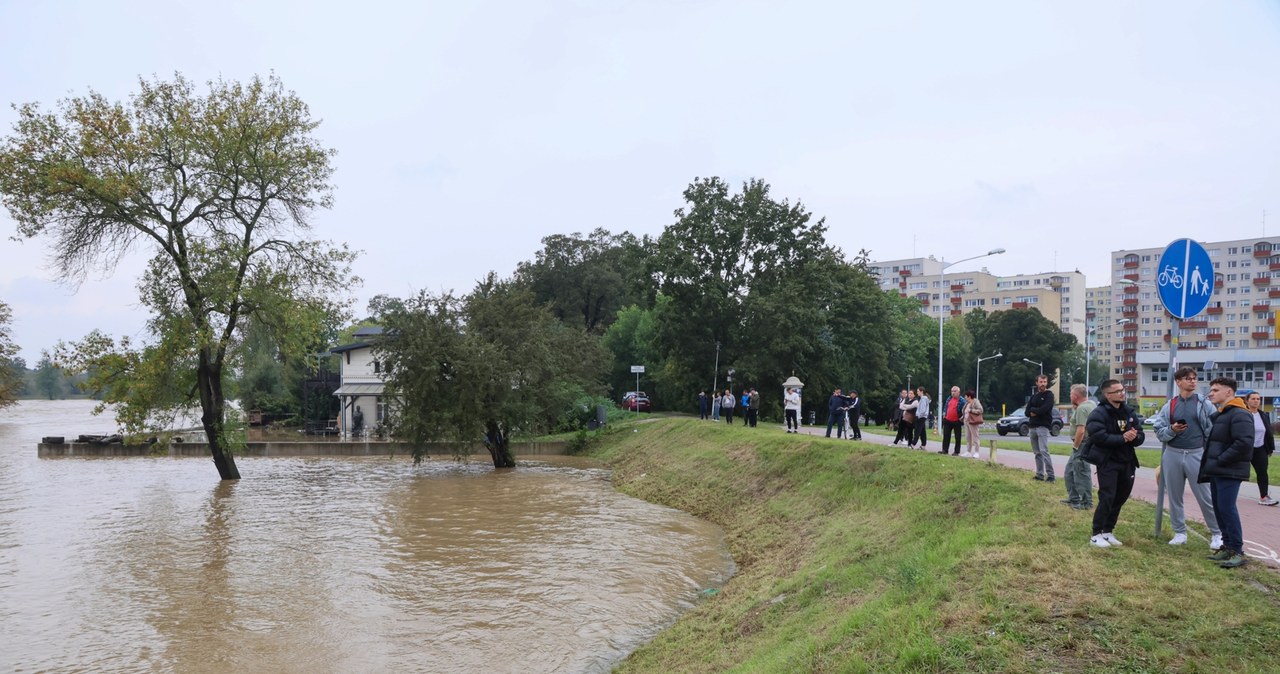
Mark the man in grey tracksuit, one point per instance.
(1183, 426)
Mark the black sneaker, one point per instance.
(1039, 478)
(1050, 479)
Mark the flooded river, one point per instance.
(328, 565)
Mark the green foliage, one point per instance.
(483, 367)
(586, 279)
(48, 379)
(215, 187)
(1019, 334)
(11, 377)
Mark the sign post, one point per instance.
(637, 369)
(1185, 281)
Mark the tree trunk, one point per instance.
(499, 446)
(212, 416)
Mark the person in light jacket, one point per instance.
(1264, 445)
(1183, 426)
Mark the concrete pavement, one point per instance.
(1261, 524)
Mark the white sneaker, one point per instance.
(1215, 543)
(1115, 542)
(1178, 539)
(1268, 501)
(1099, 541)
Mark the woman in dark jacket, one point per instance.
(1226, 464)
(1264, 444)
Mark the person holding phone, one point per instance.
(1183, 425)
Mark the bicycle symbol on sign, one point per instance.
(1170, 276)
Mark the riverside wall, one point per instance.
(281, 449)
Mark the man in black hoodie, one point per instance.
(1040, 422)
(1114, 428)
(1226, 464)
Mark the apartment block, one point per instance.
(1059, 296)
(1234, 336)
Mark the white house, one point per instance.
(364, 407)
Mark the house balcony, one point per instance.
(1213, 311)
(955, 300)
(1129, 290)
(1195, 324)
(1131, 309)
(1214, 336)
(902, 283)
(924, 301)
(1130, 301)
(1217, 281)
(1262, 252)
(1274, 292)
(904, 272)
(1262, 308)
(1262, 334)
(1129, 363)
(1131, 277)
(1019, 305)
(1262, 280)
(1130, 264)
(1275, 266)
(957, 287)
(1271, 321)
(956, 312)
(1130, 339)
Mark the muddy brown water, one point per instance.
(328, 565)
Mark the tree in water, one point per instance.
(217, 188)
(483, 367)
(11, 377)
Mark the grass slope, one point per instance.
(862, 558)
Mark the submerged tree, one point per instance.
(483, 367)
(11, 376)
(217, 188)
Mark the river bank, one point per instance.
(853, 557)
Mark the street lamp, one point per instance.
(1040, 365)
(945, 266)
(1088, 344)
(977, 388)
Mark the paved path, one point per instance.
(1261, 523)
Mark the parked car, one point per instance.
(635, 401)
(1017, 422)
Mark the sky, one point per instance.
(467, 131)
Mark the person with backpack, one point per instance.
(1183, 426)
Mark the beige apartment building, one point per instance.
(1059, 296)
(1234, 336)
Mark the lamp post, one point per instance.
(945, 266)
(977, 388)
(1088, 344)
(1040, 365)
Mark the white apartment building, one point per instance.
(1102, 331)
(1234, 336)
(1058, 296)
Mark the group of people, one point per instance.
(844, 413)
(1209, 446)
(959, 413)
(721, 405)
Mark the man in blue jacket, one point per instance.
(835, 414)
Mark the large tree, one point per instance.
(217, 188)
(587, 279)
(483, 367)
(1021, 335)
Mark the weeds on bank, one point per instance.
(864, 558)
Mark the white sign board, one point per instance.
(637, 369)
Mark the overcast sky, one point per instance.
(467, 131)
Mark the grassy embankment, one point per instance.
(863, 558)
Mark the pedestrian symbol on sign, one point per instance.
(1186, 278)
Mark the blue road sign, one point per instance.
(1185, 278)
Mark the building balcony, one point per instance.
(955, 300)
(1262, 252)
(1129, 350)
(904, 272)
(1130, 339)
(1130, 301)
(1214, 336)
(902, 283)
(1130, 264)
(1262, 280)
(1262, 308)
(1274, 292)
(1271, 321)
(1275, 266)
(1131, 277)
(1262, 334)
(957, 287)
(1131, 309)
(1213, 310)
(1195, 324)
(1129, 363)
(956, 312)
(924, 301)
(1217, 281)
(1019, 305)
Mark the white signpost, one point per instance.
(637, 370)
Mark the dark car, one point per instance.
(635, 401)
(1017, 422)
